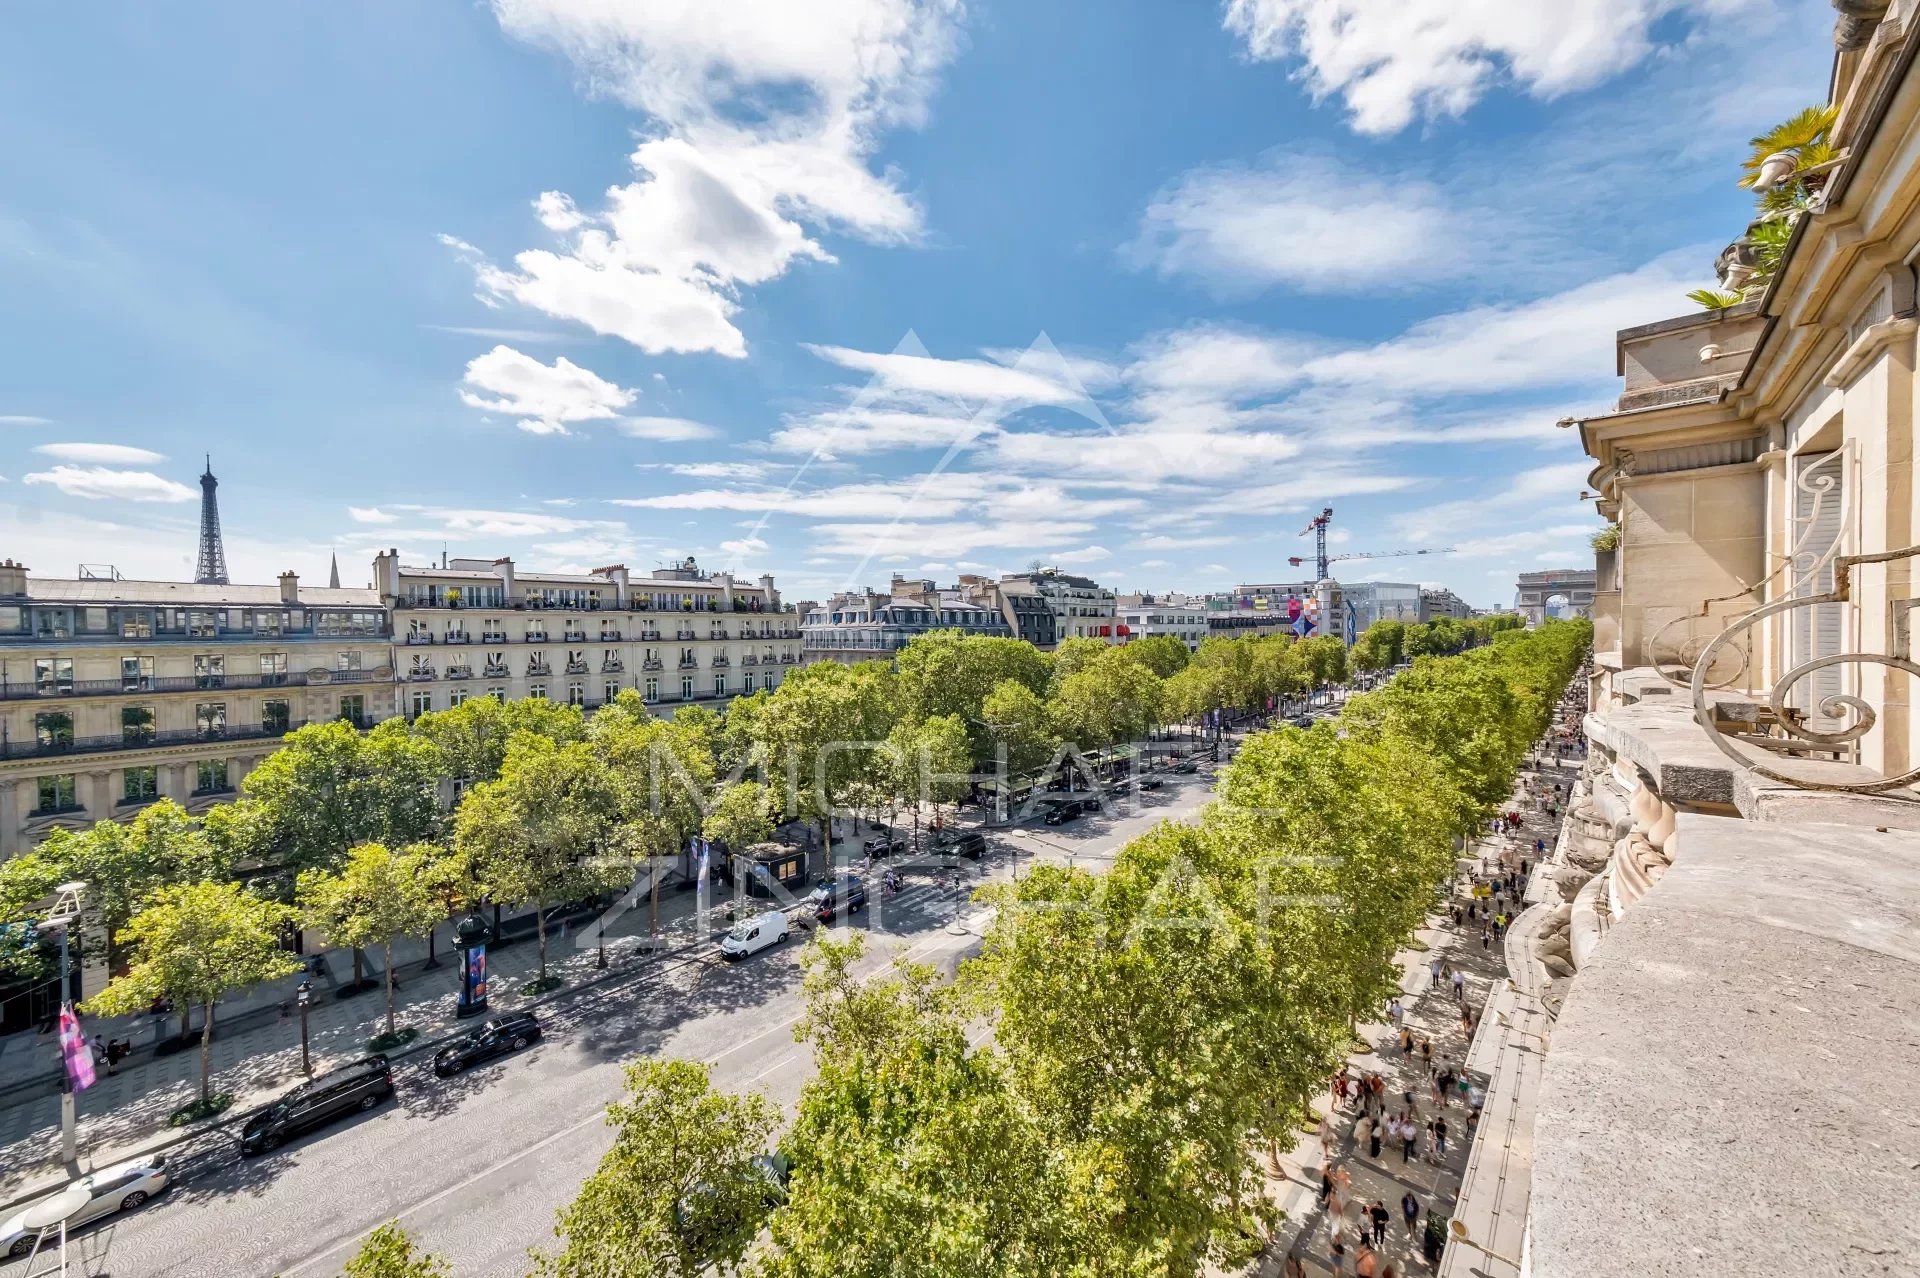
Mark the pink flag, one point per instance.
(74, 1050)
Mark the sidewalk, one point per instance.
(256, 1053)
(125, 1113)
(1431, 1012)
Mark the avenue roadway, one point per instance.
(475, 1166)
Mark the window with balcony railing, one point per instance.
(209, 671)
(136, 724)
(276, 716)
(210, 718)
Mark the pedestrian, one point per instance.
(1373, 1140)
(1326, 1184)
(1426, 1050)
(1397, 1010)
(1409, 1133)
(1295, 1267)
(1337, 1255)
(1486, 936)
(1365, 1263)
(1410, 1211)
(1361, 1128)
(99, 1052)
(1440, 1134)
(1434, 966)
(1460, 987)
(1381, 1219)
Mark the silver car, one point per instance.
(120, 1187)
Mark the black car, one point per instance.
(1148, 783)
(493, 1038)
(970, 844)
(842, 896)
(334, 1094)
(1186, 767)
(886, 843)
(1122, 786)
(1304, 721)
(1059, 811)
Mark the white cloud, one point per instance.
(1563, 339)
(1087, 555)
(556, 212)
(969, 380)
(100, 484)
(1165, 455)
(504, 334)
(545, 396)
(664, 429)
(1154, 563)
(945, 540)
(1553, 487)
(745, 547)
(715, 470)
(1157, 542)
(101, 454)
(767, 116)
(848, 432)
(1247, 227)
(24, 419)
(1393, 60)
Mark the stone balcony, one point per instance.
(1729, 1081)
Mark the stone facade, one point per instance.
(484, 627)
(115, 693)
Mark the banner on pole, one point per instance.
(74, 1051)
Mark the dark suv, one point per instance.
(497, 1037)
(970, 844)
(335, 1094)
(886, 843)
(842, 896)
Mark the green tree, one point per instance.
(472, 736)
(121, 863)
(1165, 655)
(389, 1253)
(1109, 700)
(950, 673)
(817, 735)
(195, 943)
(662, 772)
(912, 1150)
(742, 815)
(544, 831)
(376, 896)
(1016, 718)
(1072, 656)
(680, 1192)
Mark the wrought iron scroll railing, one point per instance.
(1854, 714)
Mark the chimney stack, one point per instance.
(289, 588)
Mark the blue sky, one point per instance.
(854, 287)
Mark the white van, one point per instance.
(750, 936)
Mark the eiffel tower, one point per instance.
(211, 570)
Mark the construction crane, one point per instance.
(1319, 530)
(1321, 560)
(1297, 560)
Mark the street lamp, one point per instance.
(66, 908)
(303, 995)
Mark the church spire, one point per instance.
(333, 574)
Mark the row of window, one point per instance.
(137, 785)
(53, 675)
(53, 729)
(586, 599)
(48, 622)
(422, 700)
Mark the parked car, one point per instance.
(121, 1187)
(1148, 783)
(843, 895)
(350, 1089)
(1186, 767)
(970, 844)
(755, 934)
(496, 1037)
(1303, 721)
(1122, 785)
